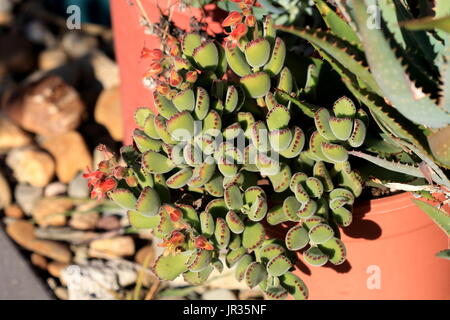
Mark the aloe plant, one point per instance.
(223, 155)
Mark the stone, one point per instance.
(31, 165)
(27, 196)
(14, 211)
(55, 268)
(105, 70)
(55, 189)
(108, 223)
(65, 234)
(39, 261)
(78, 187)
(6, 8)
(61, 293)
(5, 192)
(48, 106)
(12, 136)
(108, 112)
(144, 253)
(22, 232)
(77, 44)
(70, 152)
(52, 211)
(84, 220)
(51, 59)
(121, 246)
(219, 294)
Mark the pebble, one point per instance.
(109, 223)
(219, 294)
(5, 192)
(11, 135)
(27, 196)
(108, 112)
(143, 254)
(14, 211)
(121, 246)
(52, 211)
(84, 220)
(55, 189)
(78, 187)
(39, 261)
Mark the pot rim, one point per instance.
(384, 205)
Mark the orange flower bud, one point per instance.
(155, 69)
(250, 21)
(202, 243)
(153, 54)
(191, 76)
(163, 89)
(233, 18)
(174, 78)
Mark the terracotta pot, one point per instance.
(391, 247)
(130, 38)
(391, 243)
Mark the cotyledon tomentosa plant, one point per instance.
(194, 173)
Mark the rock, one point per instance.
(14, 211)
(51, 59)
(55, 189)
(31, 166)
(78, 187)
(108, 223)
(11, 136)
(39, 261)
(106, 70)
(65, 234)
(144, 253)
(27, 196)
(70, 152)
(6, 8)
(126, 271)
(108, 112)
(121, 246)
(55, 268)
(77, 44)
(22, 232)
(219, 294)
(51, 211)
(48, 106)
(5, 192)
(61, 293)
(84, 220)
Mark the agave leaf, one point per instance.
(444, 254)
(440, 217)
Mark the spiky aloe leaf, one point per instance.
(222, 233)
(234, 222)
(199, 260)
(140, 116)
(202, 174)
(439, 144)
(171, 266)
(140, 221)
(404, 95)
(278, 117)
(256, 84)
(444, 254)
(334, 152)
(207, 223)
(276, 62)
(236, 60)
(242, 265)
(254, 274)
(314, 257)
(181, 126)
(440, 217)
(155, 162)
(164, 106)
(276, 215)
(342, 216)
(294, 285)
(290, 207)
(307, 209)
(197, 278)
(322, 121)
(148, 202)
(123, 197)
(335, 250)
(358, 135)
(280, 181)
(257, 52)
(184, 100)
(145, 143)
(189, 42)
(321, 233)
(314, 187)
(296, 238)
(206, 55)
(179, 179)
(234, 256)
(253, 235)
(278, 266)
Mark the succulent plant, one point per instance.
(223, 156)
